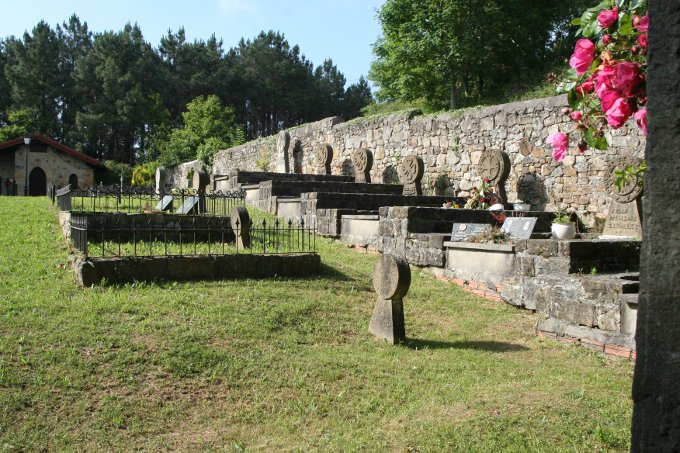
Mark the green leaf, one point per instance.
(625, 25)
(576, 22)
(594, 141)
(573, 99)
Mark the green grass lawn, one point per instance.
(280, 364)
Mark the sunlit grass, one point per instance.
(280, 364)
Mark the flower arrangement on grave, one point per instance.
(482, 197)
(494, 235)
(606, 83)
(450, 205)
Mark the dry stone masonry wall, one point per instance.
(450, 145)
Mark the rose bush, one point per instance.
(606, 85)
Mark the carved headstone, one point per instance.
(391, 280)
(165, 204)
(462, 232)
(363, 162)
(282, 147)
(324, 157)
(492, 165)
(240, 223)
(412, 169)
(298, 157)
(161, 180)
(624, 219)
(200, 183)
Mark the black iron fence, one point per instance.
(118, 235)
(136, 200)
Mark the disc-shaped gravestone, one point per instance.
(282, 146)
(630, 189)
(391, 280)
(161, 179)
(324, 156)
(391, 277)
(412, 169)
(492, 166)
(200, 181)
(362, 159)
(240, 224)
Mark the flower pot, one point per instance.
(521, 206)
(563, 231)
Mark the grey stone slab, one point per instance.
(165, 204)
(519, 227)
(464, 231)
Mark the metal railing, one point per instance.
(128, 236)
(137, 200)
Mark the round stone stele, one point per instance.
(413, 169)
(200, 180)
(282, 141)
(324, 154)
(362, 160)
(391, 277)
(239, 214)
(161, 178)
(492, 166)
(629, 190)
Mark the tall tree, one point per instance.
(33, 74)
(357, 96)
(5, 98)
(433, 49)
(122, 105)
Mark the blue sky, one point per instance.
(343, 30)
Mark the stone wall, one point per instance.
(450, 144)
(58, 167)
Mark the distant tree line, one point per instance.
(114, 96)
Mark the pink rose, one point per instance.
(607, 99)
(586, 87)
(641, 119)
(642, 40)
(560, 144)
(583, 56)
(641, 23)
(627, 77)
(607, 17)
(618, 113)
(576, 115)
(606, 39)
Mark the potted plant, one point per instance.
(563, 228)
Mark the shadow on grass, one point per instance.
(491, 346)
(333, 274)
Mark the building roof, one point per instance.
(54, 144)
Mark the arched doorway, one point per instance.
(73, 181)
(37, 182)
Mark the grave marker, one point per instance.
(519, 227)
(240, 223)
(391, 280)
(282, 146)
(165, 204)
(324, 157)
(412, 168)
(492, 165)
(161, 180)
(462, 232)
(363, 161)
(189, 206)
(624, 218)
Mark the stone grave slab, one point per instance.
(519, 227)
(462, 232)
(623, 221)
(189, 205)
(165, 204)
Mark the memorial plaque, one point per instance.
(623, 220)
(363, 161)
(165, 204)
(519, 227)
(412, 168)
(462, 232)
(190, 204)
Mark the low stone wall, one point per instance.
(97, 271)
(450, 145)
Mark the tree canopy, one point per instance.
(448, 50)
(116, 97)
